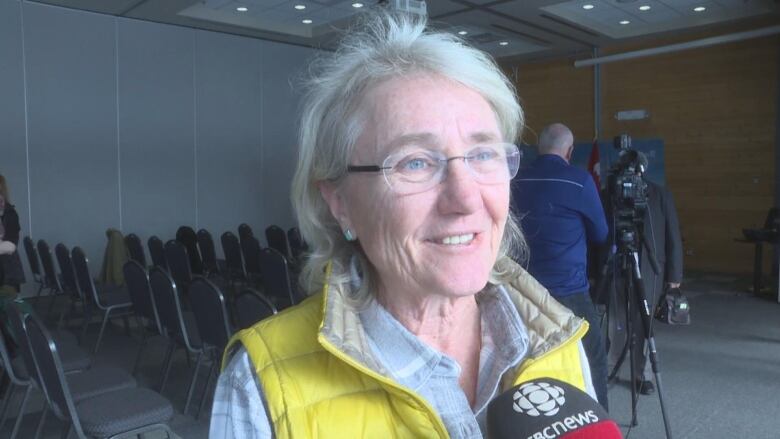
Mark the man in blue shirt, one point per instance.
(560, 211)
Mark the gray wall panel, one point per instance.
(156, 128)
(72, 126)
(13, 146)
(282, 65)
(229, 119)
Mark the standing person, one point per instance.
(662, 232)
(418, 317)
(11, 274)
(561, 212)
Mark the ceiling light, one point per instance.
(624, 22)
(644, 8)
(242, 9)
(503, 43)
(699, 8)
(357, 5)
(588, 6)
(306, 21)
(300, 7)
(463, 32)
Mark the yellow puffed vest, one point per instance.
(320, 380)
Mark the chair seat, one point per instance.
(63, 337)
(124, 410)
(97, 381)
(114, 297)
(73, 357)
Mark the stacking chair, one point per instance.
(23, 368)
(32, 259)
(108, 413)
(208, 253)
(250, 307)
(277, 240)
(250, 249)
(140, 292)
(69, 283)
(297, 246)
(208, 307)
(234, 264)
(244, 231)
(187, 236)
(179, 327)
(178, 264)
(50, 279)
(157, 252)
(276, 278)
(115, 301)
(135, 249)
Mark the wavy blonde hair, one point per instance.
(382, 46)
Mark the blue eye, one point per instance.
(484, 155)
(415, 164)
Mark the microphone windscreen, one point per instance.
(546, 408)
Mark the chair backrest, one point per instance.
(16, 316)
(178, 263)
(250, 249)
(51, 373)
(135, 249)
(157, 252)
(50, 278)
(140, 291)
(250, 307)
(32, 257)
(297, 246)
(5, 352)
(187, 236)
(207, 252)
(276, 276)
(233, 260)
(244, 230)
(277, 240)
(166, 298)
(84, 280)
(208, 305)
(66, 269)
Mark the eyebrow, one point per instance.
(429, 139)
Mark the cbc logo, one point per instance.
(539, 398)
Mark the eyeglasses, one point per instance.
(412, 171)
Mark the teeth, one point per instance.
(458, 239)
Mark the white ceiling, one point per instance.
(528, 29)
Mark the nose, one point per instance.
(460, 192)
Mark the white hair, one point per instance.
(382, 46)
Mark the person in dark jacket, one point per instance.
(10, 264)
(561, 213)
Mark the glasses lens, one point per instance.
(409, 172)
(492, 164)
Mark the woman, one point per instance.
(11, 274)
(418, 316)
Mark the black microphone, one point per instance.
(546, 408)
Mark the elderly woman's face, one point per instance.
(443, 240)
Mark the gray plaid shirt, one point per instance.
(240, 412)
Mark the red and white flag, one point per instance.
(594, 166)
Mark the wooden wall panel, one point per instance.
(714, 107)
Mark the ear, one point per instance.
(569, 153)
(333, 196)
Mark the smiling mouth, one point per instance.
(457, 239)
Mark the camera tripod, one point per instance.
(636, 302)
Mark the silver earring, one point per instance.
(348, 235)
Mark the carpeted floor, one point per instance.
(721, 374)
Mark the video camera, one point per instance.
(627, 191)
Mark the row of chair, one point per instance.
(93, 401)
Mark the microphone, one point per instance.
(546, 408)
